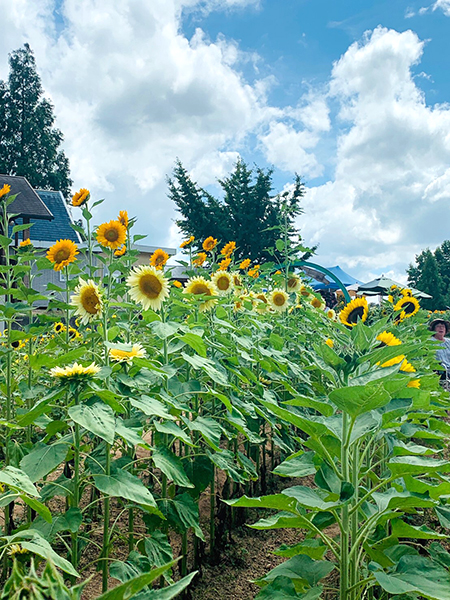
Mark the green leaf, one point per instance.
(210, 430)
(122, 484)
(400, 529)
(281, 520)
(43, 459)
(158, 548)
(173, 429)
(299, 466)
(5, 241)
(357, 400)
(308, 498)
(443, 514)
(37, 545)
(98, 418)
(170, 591)
(277, 501)
(282, 588)
(195, 342)
(18, 480)
(301, 568)
(130, 588)
(311, 547)
(151, 407)
(415, 465)
(325, 408)
(164, 330)
(171, 466)
(131, 436)
(21, 227)
(188, 513)
(207, 365)
(39, 408)
(37, 506)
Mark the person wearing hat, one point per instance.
(440, 327)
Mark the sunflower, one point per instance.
(200, 259)
(331, 314)
(278, 300)
(245, 264)
(228, 249)
(353, 311)
(111, 235)
(305, 291)
(294, 283)
(123, 218)
(62, 253)
(177, 283)
(187, 242)
(223, 282)
(80, 197)
(74, 333)
(26, 244)
(254, 272)
(329, 342)
(159, 258)
(127, 356)
(388, 339)
(209, 244)
(199, 286)
(262, 303)
(238, 306)
(394, 361)
(75, 371)
(237, 281)
(414, 383)
(391, 299)
(120, 251)
(224, 264)
(408, 305)
(16, 549)
(87, 299)
(406, 292)
(148, 286)
(5, 190)
(407, 367)
(316, 303)
(59, 327)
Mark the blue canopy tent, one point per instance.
(332, 285)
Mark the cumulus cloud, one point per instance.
(392, 183)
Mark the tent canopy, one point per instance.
(332, 285)
(382, 286)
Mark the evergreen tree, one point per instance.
(247, 214)
(29, 144)
(426, 277)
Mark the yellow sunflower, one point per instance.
(228, 249)
(148, 286)
(87, 299)
(223, 282)
(393, 361)
(245, 264)
(294, 284)
(279, 300)
(111, 235)
(331, 314)
(26, 244)
(5, 190)
(316, 302)
(187, 242)
(120, 251)
(75, 371)
(305, 291)
(388, 339)
(59, 327)
(408, 305)
(200, 259)
(262, 303)
(407, 367)
(254, 272)
(199, 286)
(353, 311)
(209, 244)
(123, 218)
(74, 333)
(237, 281)
(159, 258)
(177, 283)
(329, 342)
(80, 197)
(414, 383)
(224, 264)
(62, 253)
(406, 292)
(127, 356)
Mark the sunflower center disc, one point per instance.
(150, 286)
(62, 255)
(90, 302)
(112, 235)
(279, 300)
(223, 284)
(356, 312)
(200, 288)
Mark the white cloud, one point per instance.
(443, 5)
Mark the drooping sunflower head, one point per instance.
(407, 367)
(294, 283)
(414, 383)
(148, 287)
(224, 264)
(26, 244)
(228, 249)
(123, 218)
(279, 300)
(394, 361)
(199, 286)
(88, 301)
(177, 283)
(199, 259)
(80, 197)
(62, 253)
(354, 311)
(223, 282)
(4, 191)
(59, 327)
(305, 291)
(245, 264)
(120, 251)
(262, 303)
(388, 339)
(187, 242)
(159, 258)
(120, 355)
(209, 244)
(237, 280)
(111, 235)
(75, 371)
(254, 272)
(408, 305)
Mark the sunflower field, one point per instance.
(133, 399)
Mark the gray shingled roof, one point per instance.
(27, 204)
(60, 227)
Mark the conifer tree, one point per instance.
(29, 143)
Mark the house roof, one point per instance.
(60, 227)
(27, 204)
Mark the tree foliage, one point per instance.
(431, 274)
(248, 214)
(29, 143)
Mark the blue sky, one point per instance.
(351, 94)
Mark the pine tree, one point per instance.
(425, 276)
(29, 144)
(248, 214)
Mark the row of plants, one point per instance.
(132, 396)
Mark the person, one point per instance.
(440, 327)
